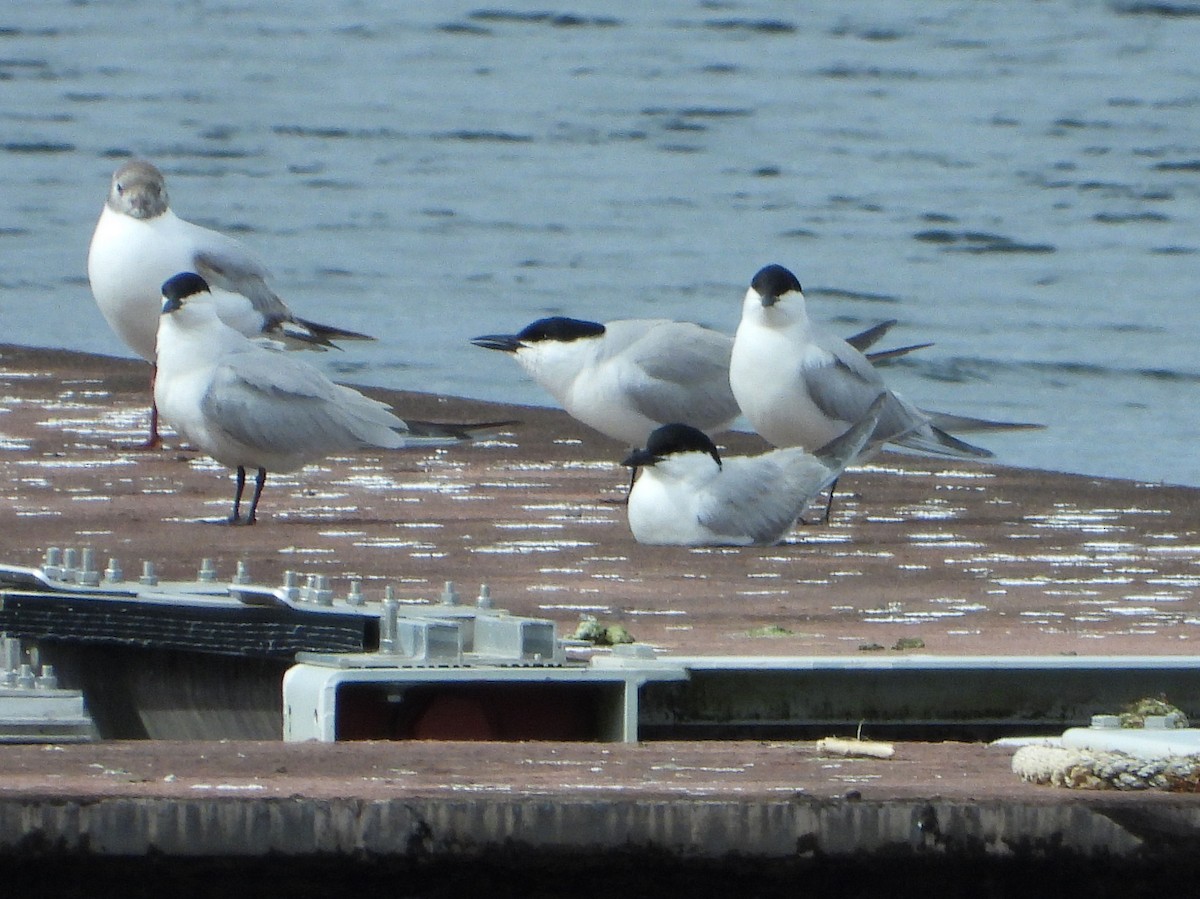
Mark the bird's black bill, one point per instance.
(641, 457)
(508, 343)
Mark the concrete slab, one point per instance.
(701, 800)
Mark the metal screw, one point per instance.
(70, 568)
(88, 576)
(48, 679)
(323, 595)
(207, 572)
(388, 624)
(450, 594)
(52, 564)
(149, 577)
(113, 573)
(290, 589)
(485, 597)
(242, 576)
(10, 651)
(355, 596)
(25, 678)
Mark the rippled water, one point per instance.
(1017, 181)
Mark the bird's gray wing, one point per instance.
(269, 402)
(761, 496)
(949, 421)
(845, 385)
(682, 375)
(864, 340)
(840, 380)
(225, 263)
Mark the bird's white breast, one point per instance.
(128, 261)
(185, 373)
(597, 398)
(766, 374)
(661, 513)
(584, 378)
(664, 505)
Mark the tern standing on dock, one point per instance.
(251, 406)
(800, 386)
(627, 377)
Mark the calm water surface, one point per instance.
(1019, 182)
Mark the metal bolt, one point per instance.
(48, 679)
(70, 568)
(149, 577)
(323, 595)
(242, 576)
(52, 564)
(207, 572)
(113, 573)
(388, 625)
(485, 597)
(88, 575)
(290, 589)
(1106, 721)
(355, 596)
(450, 594)
(10, 653)
(25, 678)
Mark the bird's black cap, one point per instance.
(556, 328)
(560, 328)
(179, 287)
(773, 281)
(672, 438)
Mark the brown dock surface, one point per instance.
(966, 558)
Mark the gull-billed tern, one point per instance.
(688, 495)
(250, 405)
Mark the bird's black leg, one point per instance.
(829, 504)
(260, 481)
(234, 517)
(828, 508)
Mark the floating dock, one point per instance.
(945, 599)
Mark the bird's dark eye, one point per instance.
(120, 188)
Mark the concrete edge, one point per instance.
(423, 828)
